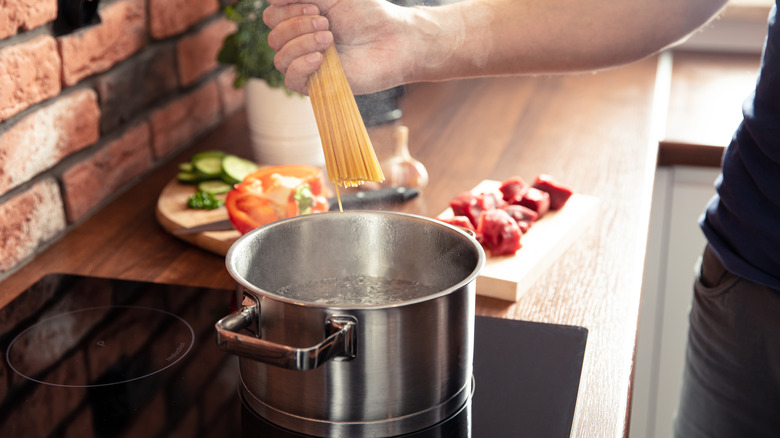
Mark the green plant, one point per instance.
(247, 49)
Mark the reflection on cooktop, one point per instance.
(93, 357)
(53, 339)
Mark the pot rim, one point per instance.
(233, 250)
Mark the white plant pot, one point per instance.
(282, 126)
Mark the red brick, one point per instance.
(184, 119)
(41, 139)
(25, 15)
(27, 220)
(29, 73)
(231, 98)
(95, 49)
(133, 86)
(90, 182)
(197, 53)
(172, 17)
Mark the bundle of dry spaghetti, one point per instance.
(349, 156)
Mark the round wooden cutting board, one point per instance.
(173, 214)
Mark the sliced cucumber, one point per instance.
(215, 187)
(234, 168)
(210, 166)
(205, 154)
(220, 170)
(191, 177)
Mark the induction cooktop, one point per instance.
(96, 357)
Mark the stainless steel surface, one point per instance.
(414, 359)
(339, 343)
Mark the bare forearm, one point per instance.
(383, 45)
(499, 37)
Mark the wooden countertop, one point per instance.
(706, 93)
(593, 131)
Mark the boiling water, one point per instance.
(356, 290)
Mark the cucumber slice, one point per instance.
(215, 187)
(186, 167)
(210, 166)
(234, 168)
(205, 154)
(190, 177)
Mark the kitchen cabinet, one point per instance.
(679, 197)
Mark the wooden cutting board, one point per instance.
(509, 277)
(173, 214)
(504, 277)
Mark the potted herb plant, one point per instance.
(281, 123)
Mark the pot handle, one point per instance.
(338, 345)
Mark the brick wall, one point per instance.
(85, 114)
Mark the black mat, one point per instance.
(534, 392)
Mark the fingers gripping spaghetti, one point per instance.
(349, 156)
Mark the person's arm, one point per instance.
(382, 45)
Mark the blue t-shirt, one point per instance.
(742, 222)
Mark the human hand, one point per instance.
(368, 34)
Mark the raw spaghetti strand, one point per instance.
(349, 155)
(338, 196)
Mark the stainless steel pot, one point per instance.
(343, 368)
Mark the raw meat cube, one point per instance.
(513, 189)
(471, 205)
(524, 216)
(558, 192)
(459, 221)
(499, 232)
(537, 201)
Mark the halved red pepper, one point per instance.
(308, 174)
(248, 209)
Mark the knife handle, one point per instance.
(369, 198)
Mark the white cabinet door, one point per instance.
(676, 242)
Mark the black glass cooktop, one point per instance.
(93, 357)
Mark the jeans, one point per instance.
(731, 379)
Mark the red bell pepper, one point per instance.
(274, 193)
